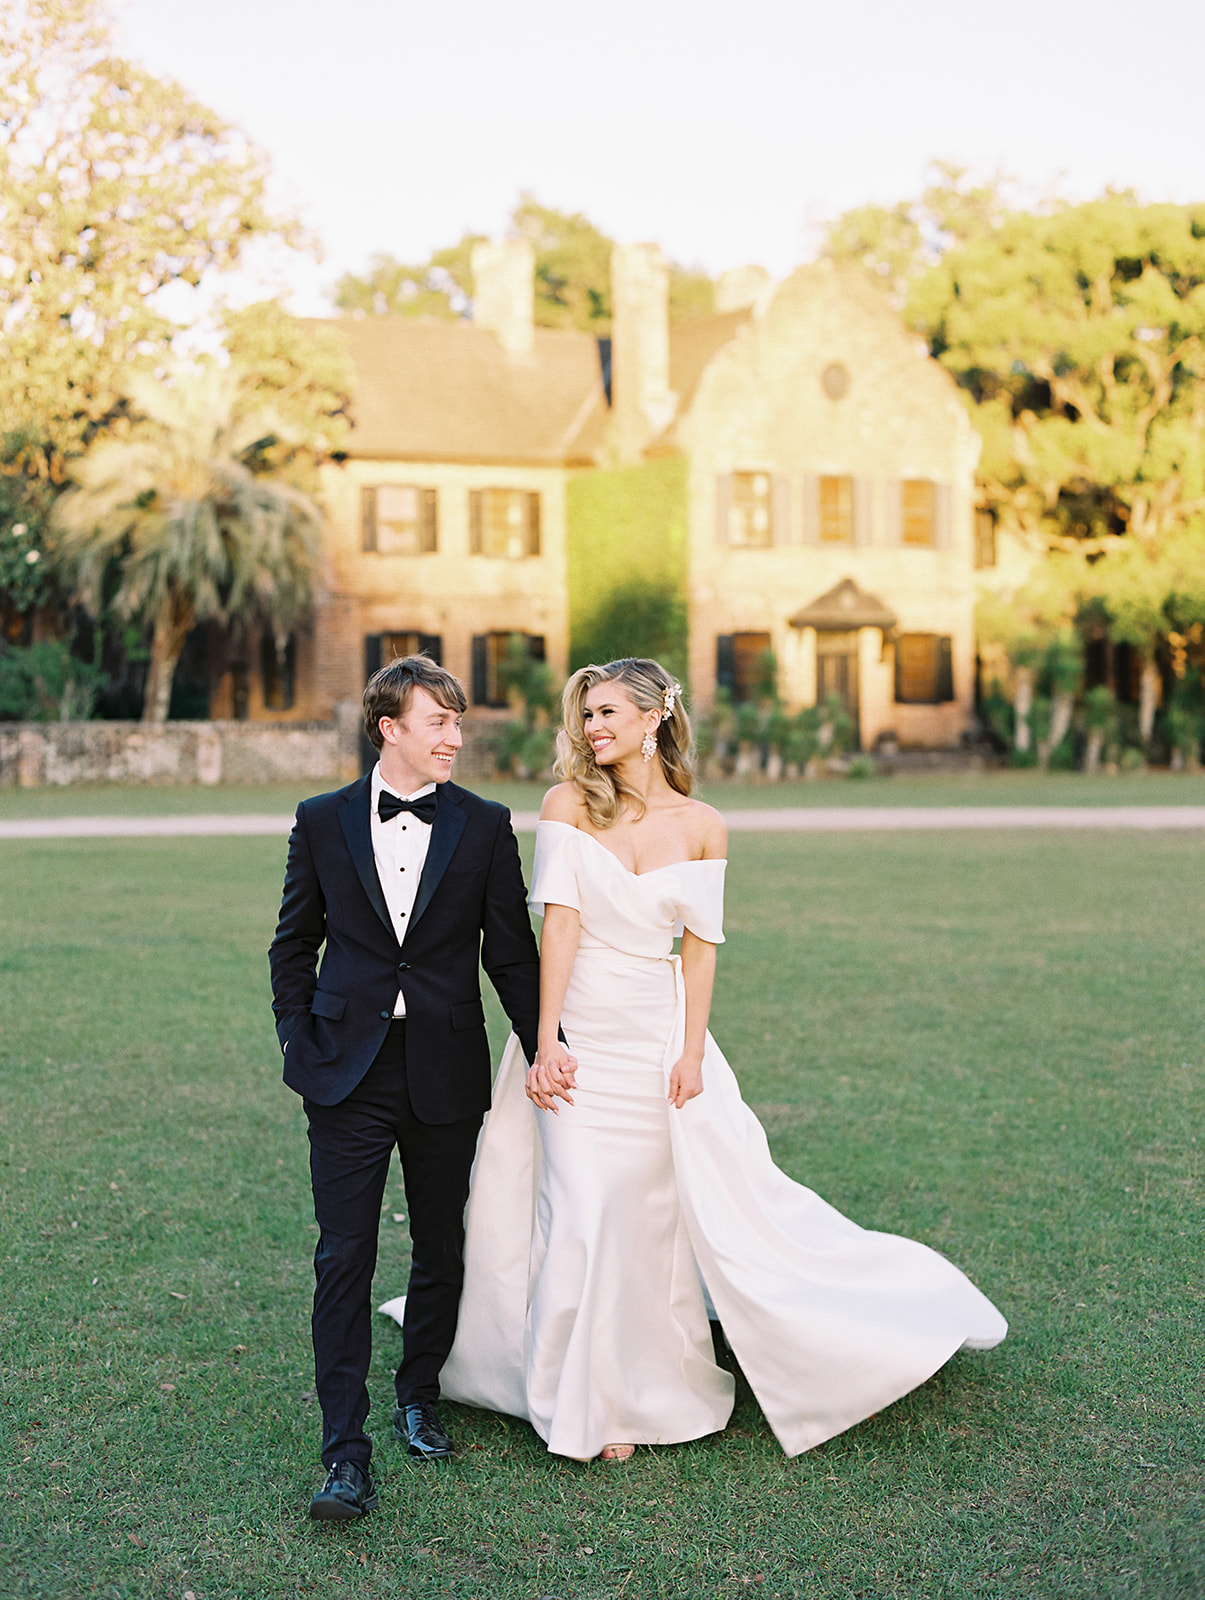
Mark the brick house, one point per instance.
(813, 473)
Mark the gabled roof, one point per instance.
(426, 390)
(693, 342)
(845, 605)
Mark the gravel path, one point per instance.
(817, 819)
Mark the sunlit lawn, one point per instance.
(991, 1042)
(992, 788)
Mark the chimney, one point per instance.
(641, 400)
(504, 292)
(740, 287)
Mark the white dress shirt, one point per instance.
(399, 848)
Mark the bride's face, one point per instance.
(614, 724)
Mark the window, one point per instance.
(399, 519)
(491, 658)
(924, 669)
(744, 665)
(836, 510)
(382, 648)
(918, 512)
(751, 510)
(277, 671)
(504, 523)
(985, 538)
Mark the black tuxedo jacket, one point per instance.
(470, 912)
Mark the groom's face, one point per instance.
(420, 747)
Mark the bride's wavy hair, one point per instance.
(602, 789)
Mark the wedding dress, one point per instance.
(600, 1239)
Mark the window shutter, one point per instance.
(476, 521)
(428, 538)
(811, 509)
(725, 662)
(893, 532)
(780, 527)
(863, 526)
(368, 518)
(372, 654)
(943, 516)
(533, 523)
(945, 667)
(430, 644)
(481, 669)
(723, 504)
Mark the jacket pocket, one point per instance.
(328, 1005)
(468, 1014)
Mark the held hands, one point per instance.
(685, 1080)
(551, 1075)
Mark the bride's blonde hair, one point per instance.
(648, 685)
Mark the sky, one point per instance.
(728, 131)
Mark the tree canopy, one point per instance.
(192, 532)
(113, 186)
(573, 276)
(1080, 338)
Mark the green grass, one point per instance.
(1024, 788)
(992, 1043)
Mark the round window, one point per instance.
(834, 380)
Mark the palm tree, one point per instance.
(196, 534)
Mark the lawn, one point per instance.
(995, 788)
(990, 1042)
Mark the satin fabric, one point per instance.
(599, 1239)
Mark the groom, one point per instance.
(408, 880)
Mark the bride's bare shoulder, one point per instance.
(563, 803)
(710, 831)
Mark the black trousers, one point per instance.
(351, 1146)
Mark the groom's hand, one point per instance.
(551, 1076)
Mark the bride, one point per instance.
(638, 1200)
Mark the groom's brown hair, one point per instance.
(389, 691)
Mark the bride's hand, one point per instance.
(551, 1076)
(685, 1080)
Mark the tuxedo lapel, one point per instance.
(356, 821)
(445, 836)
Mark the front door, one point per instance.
(837, 674)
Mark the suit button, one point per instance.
(403, 966)
(386, 1015)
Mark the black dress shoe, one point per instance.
(348, 1492)
(417, 1426)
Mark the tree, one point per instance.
(573, 276)
(898, 244)
(113, 186)
(194, 532)
(1079, 339)
(300, 373)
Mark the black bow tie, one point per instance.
(424, 808)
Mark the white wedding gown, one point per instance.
(596, 1238)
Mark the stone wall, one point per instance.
(56, 754)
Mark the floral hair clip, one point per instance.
(670, 699)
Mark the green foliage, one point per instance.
(116, 185)
(897, 244)
(27, 567)
(195, 533)
(836, 727)
(627, 565)
(299, 375)
(43, 682)
(573, 276)
(1078, 337)
(1100, 710)
(1185, 719)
